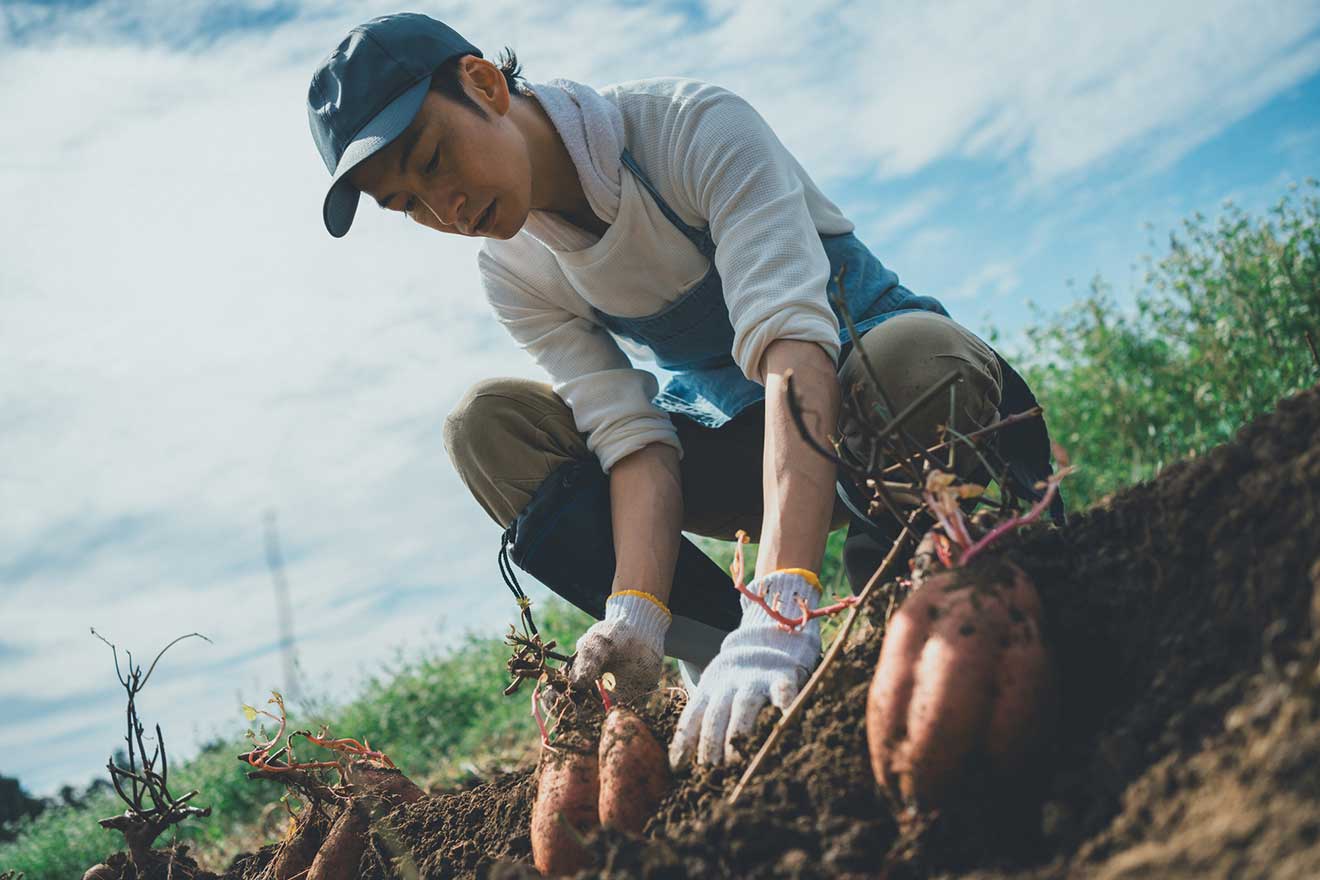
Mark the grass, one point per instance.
(440, 718)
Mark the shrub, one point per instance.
(1214, 338)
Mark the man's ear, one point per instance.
(487, 82)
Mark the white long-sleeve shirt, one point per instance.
(717, 164)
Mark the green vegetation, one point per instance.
(438, 717)
(15, 804)
(1214, 338)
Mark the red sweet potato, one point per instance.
(568, 787)
(634, 771)
(962, 675)
(339, 857)
(295, 855)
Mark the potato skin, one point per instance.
(339, 857)
(963, 674)
(569, 785)
(382, 786)
(634, 771)
(295, 856)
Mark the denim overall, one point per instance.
(564, 536)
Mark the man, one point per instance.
(662, 216)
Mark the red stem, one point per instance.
(942, 551)
(787, 624)
(536, 713)
(1015, 523)
(351, 746)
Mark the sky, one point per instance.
(183, 348)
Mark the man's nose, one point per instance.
(452, 210)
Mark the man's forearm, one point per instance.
(646, 500)
(797, 482)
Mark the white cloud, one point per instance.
(878, 225)
(1064, 85)
(186, 346)
(991, 280)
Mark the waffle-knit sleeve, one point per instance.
(735, 172)
(610, 399)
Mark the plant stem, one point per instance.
(975, 435)
(835, 648)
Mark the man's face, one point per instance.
(451, 169)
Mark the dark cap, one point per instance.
(367, 91)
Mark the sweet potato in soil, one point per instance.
(340, 855)
(1188, 742)
(964, 678)
(294, 857)
(634, 771)
(567, 789)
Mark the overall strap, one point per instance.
(700, 238)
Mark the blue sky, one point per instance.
(184, 348)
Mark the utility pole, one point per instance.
(283, 607)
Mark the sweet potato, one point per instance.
(963, 675)
(568, 787)
(296, 853)
(339, 857)
(634, 772)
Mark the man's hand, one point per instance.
(629, 642)
(757, 662)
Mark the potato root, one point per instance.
(963, 675)
(634, 771)
(339, 857)
(568, 787)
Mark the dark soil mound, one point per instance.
(1180, 613)
(172, 863)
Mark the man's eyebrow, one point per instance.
(409, 141)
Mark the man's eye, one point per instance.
(435, 161)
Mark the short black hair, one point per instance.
(445, 79)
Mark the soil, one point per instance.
(1182, 615)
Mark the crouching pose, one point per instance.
(658, 218)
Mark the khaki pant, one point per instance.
(505, 436)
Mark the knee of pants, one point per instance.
(910, 353)
(504, 436)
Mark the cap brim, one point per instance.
(342, 200)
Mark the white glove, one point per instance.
(629, 642)
(756, 662)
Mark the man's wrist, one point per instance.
(643, 612)
(809, 576)
(786, 591)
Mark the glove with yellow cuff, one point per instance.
(758, 661)
(629, 643)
